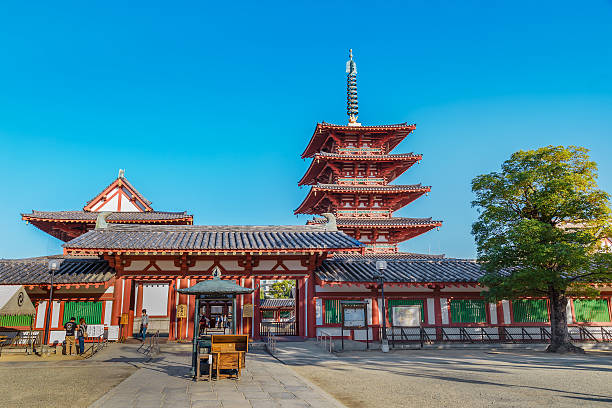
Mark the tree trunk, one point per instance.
(560, 341)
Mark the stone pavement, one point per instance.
(164, 382)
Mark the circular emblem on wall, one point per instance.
(20, 299)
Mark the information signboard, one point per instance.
(354, 316)
(181, 311)
(113, 333)
(406, 316)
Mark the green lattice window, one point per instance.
(285, 314)
(529, 311)
(468, 311)
(404, 302)
(332, 311)
(267, 314)
(90, 311)
(16, 321)
(591, 310)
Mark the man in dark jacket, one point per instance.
(70, 327)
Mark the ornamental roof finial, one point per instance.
(352, 108)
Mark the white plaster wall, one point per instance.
(108, 312)
(444, 308)
(493, 312)
(506, 310)
(155, 299)
(431, 311)
(230, 265)
(294, 265)
(167, 265)
(55, 314)
(126, 205)
(202, 265)
(568, 310)
(137, 266)
(265, 265)
(110, 205)
(41, 310)
(319, 311)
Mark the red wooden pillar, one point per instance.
(375, 318)
(139, 300)
(172, 309)
(311, 306)
(117, 295)
(183, 299)
(238, 311)
(247, 322)
(301, 302)
(256, 312)
(128, 308)
(438, 313)
(192, 312)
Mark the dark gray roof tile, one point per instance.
(202, 237)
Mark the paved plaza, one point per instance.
(165, 382)
(456, 377)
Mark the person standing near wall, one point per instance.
(82, 333)
(70, 327)
(144, 324)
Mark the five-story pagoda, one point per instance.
(350, 175)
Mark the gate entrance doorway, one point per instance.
(277, 309)
(216, 315)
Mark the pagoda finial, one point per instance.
(121, 174)
(352, 104)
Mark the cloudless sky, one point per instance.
(208, 105)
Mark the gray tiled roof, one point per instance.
(211, 238)
(361, 269)
(72, 270)
(380, 222)
(276, 303)
(115, 216)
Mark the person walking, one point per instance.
(70, 327)
(82, 333)
(144, 324)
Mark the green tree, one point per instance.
(540, 224)
(282, 289)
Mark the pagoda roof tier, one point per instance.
(66, 225)
(148, 239)
(404, 194)
(382, 223)
(396, 255)
(391, 134)
(399, 162)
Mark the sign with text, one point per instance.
(247, 310)
(354, 314)
(406, 316)
(181, 311)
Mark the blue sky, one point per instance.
(208, 107)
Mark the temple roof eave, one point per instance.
(322, 130)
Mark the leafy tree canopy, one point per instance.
(539, 231)
(282, 289)
(540, 225)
